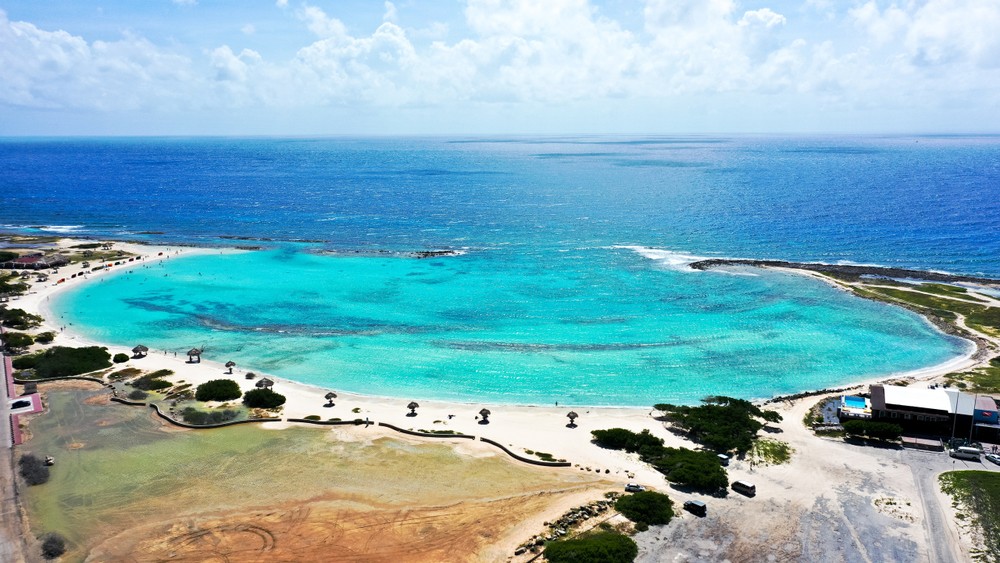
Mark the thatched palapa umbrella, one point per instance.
(572, 419)
(230, 364)
(139, 351)
(194, 353)
(330, 397)
(413, 406)
(485, 413)
(264, 383)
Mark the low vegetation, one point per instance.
(982, 380)
(53, 545)
(33, 469)
(977, 494)
(120, 358)
(723, 424)
(123, 374)
(218, 390)
(885, 431)
(138, 395)
(152, 381)
(192, 415)
(263, 399)
(767, 451)
(942, 304)
(45, 337)
(646, 508)
(60, 361)
(599, 547)
(699, 470)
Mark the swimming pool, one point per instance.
(853, 402)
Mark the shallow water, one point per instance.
(589, 326)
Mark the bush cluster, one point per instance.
(45, 337)
(602, 547)
(192, 415)
(263, 399)
(873, 430)
(120, 358)
(218, 390)
(646, 507)
(61, 361)
(18, 318)
(53, 545)
(10, 285)
(697, 469)
(15, 342)
(723, 423)
(138, 395)
(33, 469)
(151, 382)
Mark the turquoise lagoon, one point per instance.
(600, 326)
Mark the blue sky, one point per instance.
(350, 67)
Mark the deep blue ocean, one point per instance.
(552, 299)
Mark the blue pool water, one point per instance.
(854, 402)
(556, 297)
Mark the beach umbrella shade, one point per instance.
(330, 397)
(264, 383)
(194, 353)
(572, 418)
(139, 351)
(485, 413)
(413, 406)
(230, 364)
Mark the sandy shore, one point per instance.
(537, 428)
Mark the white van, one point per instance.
(966, 452)
(748, 489)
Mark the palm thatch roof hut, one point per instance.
(413, 406)
(194, 353)
(139, 351)
(230, 364)
(330, 397)
(264, 383)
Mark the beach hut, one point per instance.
(330, 397)
(264, 383)
(485, 413)
(139, 351)
(230, 364)
(194, 353)
(572, 416)
(413, 406)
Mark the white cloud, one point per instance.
(248, 29)
(281, 3)
(391, 13)
(525, 53)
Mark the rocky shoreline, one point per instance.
(850, 270)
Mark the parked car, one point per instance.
(994, 458)
(696, 507)
(743, 487)
(723, 459)
(634, 488)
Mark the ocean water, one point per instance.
(555, 297)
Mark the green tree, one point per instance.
(721, 423)
(218, 390)
(120, 358)
(646, 507)
(16, 342)
(263, 399)
(602, 547)
(61, 361)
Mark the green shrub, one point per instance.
(622, 439)
(53, 545)
(602, 547)
(7, 256)
(218, 390)
(33, 469)
(150, 382)
(120, 358)
(61, 361)
(873, 430)
(192, 415)
(14, 342)
(18, 318)
(700, 470)
(45, 337)
(138, 395)
(723, 423)
(263, 399)
(26, 362)
(313, 417)
(646, 507)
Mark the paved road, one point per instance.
(11, 545)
